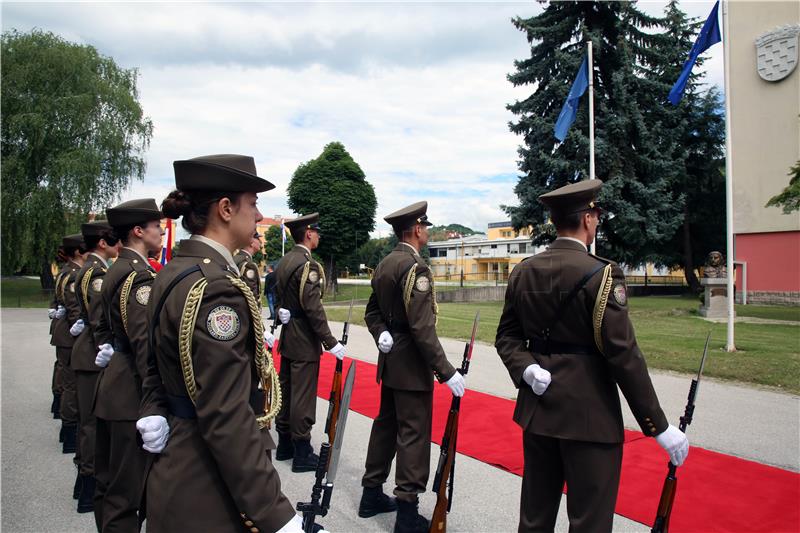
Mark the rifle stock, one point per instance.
(444, 470)
(661, 524)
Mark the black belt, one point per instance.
(182, 406)
(543, 347)
(122, 345)
(297, 313)
(399, 327)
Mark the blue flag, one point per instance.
(708, 37)
(570, 109)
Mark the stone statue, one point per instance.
(715, 266)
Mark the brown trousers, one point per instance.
(591, 471)
(55, 386)
(402, 427)
(299, 398)
(119, 463)
(69, 398)
(87, 382)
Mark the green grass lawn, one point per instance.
(668, 330)
(671, 337)
(23, 292)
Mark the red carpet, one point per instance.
(716, 492)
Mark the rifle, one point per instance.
(328, 463)
(661, 524)
(445, 469)
(335, 398)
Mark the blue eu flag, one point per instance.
(570, 109)
(708, 37)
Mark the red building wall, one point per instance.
(773, 260)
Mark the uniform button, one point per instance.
(135, 261)
(647, 420)
(253, 530)
(652, 430)
(248, 523)
(206, 260)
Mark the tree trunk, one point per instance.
(688, 262)
(332, 284)
(46, 277)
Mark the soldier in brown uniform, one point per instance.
(201, 409)
(102, 245)
(567, 341)
(54, 316)
(122, 340)
(401, 316)
(75, 255)
(248, 268)
(300, 282)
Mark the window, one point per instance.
(523, 247)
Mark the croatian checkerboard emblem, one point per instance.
(223, 323)
(776, 52)
(143, 294)
(313, 277)
(620, 294)
(97, 285)
(423, 283)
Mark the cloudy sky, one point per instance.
(416, 92)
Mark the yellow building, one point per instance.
(480, 258)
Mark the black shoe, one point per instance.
(408, 518)
(285, 450)
(70, 438)
(305, 460)
(55, 408)
(374, 501)
(86, 498)
(76, 490)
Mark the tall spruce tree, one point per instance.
(697, 131)
(632, 157)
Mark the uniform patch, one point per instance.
(97, 285)
(72, 287)
(223, 323)
(250, 274)
(423, 284)
(313, 277)
(143, 294)
(620, 294)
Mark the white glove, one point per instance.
(675, 443)
(77, 328)
(104, 355)
(269, 338)
(339, 351)
(284, 315)
(61, 312)
(538, 378)
(385, 342)
(456, 384)
(155, 433)
(51, 314)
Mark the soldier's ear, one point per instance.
(225, 209)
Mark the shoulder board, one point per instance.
(602, 259)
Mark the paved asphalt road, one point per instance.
(37, 479)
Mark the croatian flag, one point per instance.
(169, 236)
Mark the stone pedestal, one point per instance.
(715, 298)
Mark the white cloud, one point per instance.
(416, 92)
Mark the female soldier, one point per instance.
(206, 360)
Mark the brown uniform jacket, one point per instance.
(214, 466)
(581, 402)
(54, 300)
(88, 286)
(299, 289)
(61, 336)
(403, 303)
(248, 270)
(127, 282)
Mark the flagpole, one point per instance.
(726, 45)
(591, 121)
